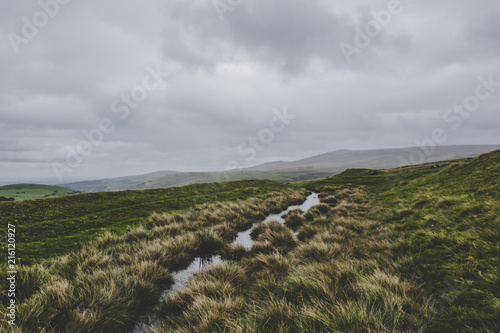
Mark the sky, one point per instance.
(94, 89)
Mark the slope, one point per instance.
(310, 168)
(50, 227)
(450, 217)
(33, 191)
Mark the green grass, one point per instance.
(408, 249)
(33, 191)
(50, 227)
(450, 219)
(348, 275)
(110, 282)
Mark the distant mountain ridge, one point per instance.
(318, 166)
(379, 158)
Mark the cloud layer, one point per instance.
(226, 76)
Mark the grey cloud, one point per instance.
(281, 34)
(227, 77)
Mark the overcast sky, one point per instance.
(185, 85)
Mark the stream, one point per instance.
(181, 278)
(244, 238)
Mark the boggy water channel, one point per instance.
(199, 264)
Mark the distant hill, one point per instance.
(117, 184)
(315, 167)
(419, 242)
(376, 159)
(33, 191)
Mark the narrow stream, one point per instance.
(244, 238)
(181, 278)
(199, 264)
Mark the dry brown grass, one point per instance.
(347, 273)
(111, 282)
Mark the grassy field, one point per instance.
(345, 272)
(110, 282)
(412, 249)
(50, 227)
(450, 220)
(33, 191)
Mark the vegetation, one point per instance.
(410, 249)
(108, 284)
(315, 167)
(51, 227)
(33, 191)
(348, 275)
(450, 220)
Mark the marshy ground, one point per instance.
(403, 250)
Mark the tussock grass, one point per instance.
(275, 315)
(429, 262)
(274, 265)
(317, 250)
(295, 219)
(277, 235)
(262, 247)
(234, 252)
(225, 231)
(51, 227)
(109, 283)
(31, 278)
(330, 200)
(345, 273)
(307, 232)
(211, 302)
(449, 218)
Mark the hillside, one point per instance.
(33, 191)
(119, 183)
(188, 178)
(377, 158)
(320, 166)
(407, 249)
(450, 218)
(55, 226)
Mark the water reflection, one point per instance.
(244, 238)
(199, 264)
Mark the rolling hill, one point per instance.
(315, 167)
(119, 183)
(33, 191)
(407, 249)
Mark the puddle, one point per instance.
(244, 238)
(181, 278)
(311, 200)
(143, 327)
